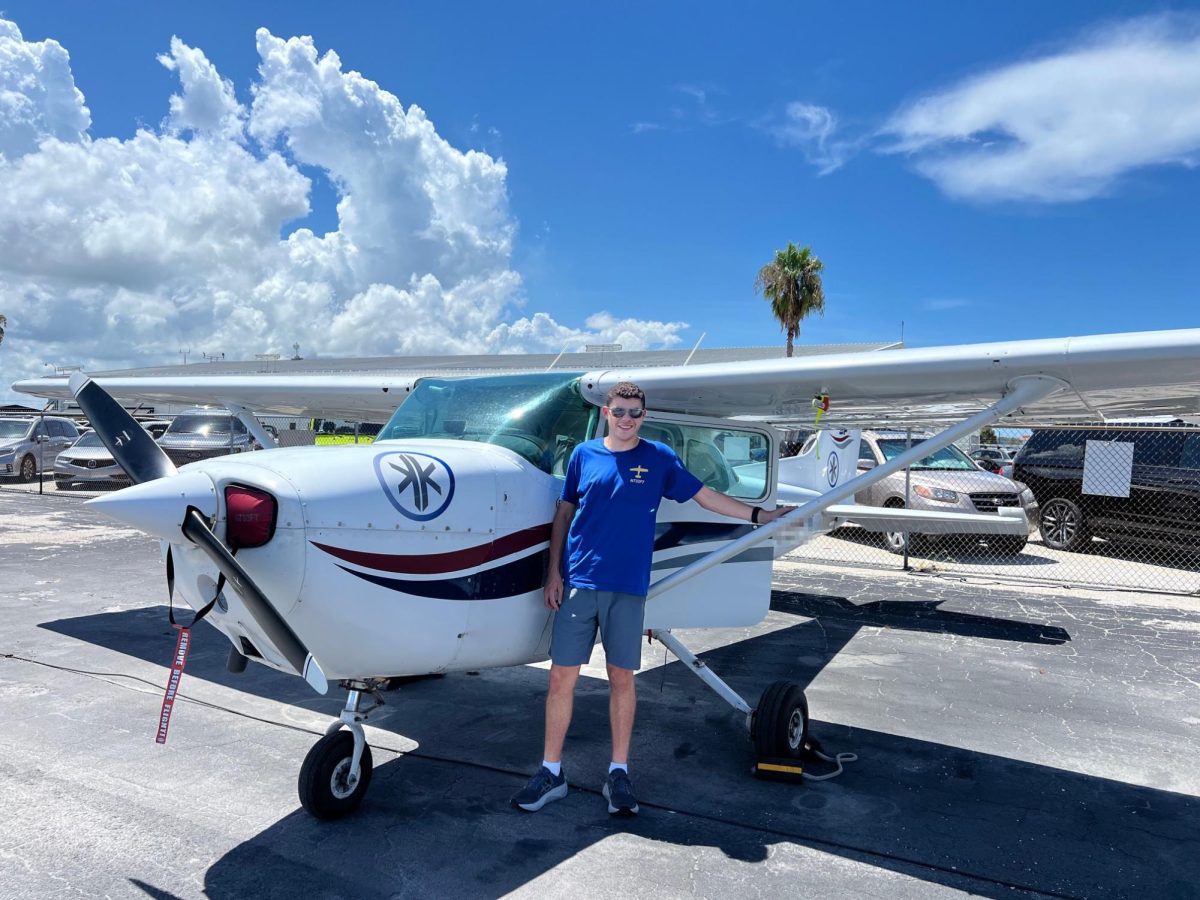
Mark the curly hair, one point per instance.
(626, 389)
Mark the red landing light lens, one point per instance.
(251, 516)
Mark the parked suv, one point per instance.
(1163, 505)
(945, 481)
(202, 433)
(29, 446)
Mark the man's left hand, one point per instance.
(770, 515)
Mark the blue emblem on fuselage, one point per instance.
(420, 486)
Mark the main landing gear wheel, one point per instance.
(780, 724)
(326, 790)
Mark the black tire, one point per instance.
(27, 471)
(1064, 525)
(322, 783)
(894, 540)
(780, 726)
(1007, 545)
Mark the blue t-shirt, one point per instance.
(616, 494)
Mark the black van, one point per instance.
(1163, 506)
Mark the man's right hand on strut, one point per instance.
(554, 591)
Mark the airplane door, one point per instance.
(736, 459)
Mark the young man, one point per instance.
(606, 518)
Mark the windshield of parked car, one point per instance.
(540, 417)
(206, 425)
(13, 428)
(947, 458)
(91, 439)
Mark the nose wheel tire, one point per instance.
(1064, 526)
(326, 790)
(780, 725)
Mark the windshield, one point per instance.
(13, 428)
(540, 417)
(946, 458)
(91, 439)
(200, 424)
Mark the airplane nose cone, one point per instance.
(158, 507)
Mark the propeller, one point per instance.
(135, 451)
(195, 529)
(129, 443)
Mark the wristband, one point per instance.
(754, 511)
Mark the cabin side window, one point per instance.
(728, 460)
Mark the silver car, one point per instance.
(945, 481)
(87, 461)
(29, 446)
(202, 433)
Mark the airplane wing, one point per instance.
(1111, 376)
(369, 396)
(1105, 376)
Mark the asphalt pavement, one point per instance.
(1012, 742)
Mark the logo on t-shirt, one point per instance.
(638, 472)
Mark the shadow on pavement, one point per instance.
(437, 821)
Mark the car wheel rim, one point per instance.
(895, 540)
(1060, 523)
(27, 471)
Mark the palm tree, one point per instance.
(793, 285)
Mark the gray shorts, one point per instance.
(619, 618)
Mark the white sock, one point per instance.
(554, 767)
(613, 766)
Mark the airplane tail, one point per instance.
(826, 459)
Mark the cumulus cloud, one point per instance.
(207, 104)
(1066, 125)
(38, 97)
(117, 252)
(812, 129)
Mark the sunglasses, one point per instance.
(620, 411)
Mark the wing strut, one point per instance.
(1022, 390)
(252, 424)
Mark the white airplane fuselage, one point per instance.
(420, 556)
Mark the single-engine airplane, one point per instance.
(424, 552)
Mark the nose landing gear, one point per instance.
(337, 770)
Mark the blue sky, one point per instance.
(656, 155)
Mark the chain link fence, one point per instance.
(1115, 507)
(1108, 506)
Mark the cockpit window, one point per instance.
(540, 417)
